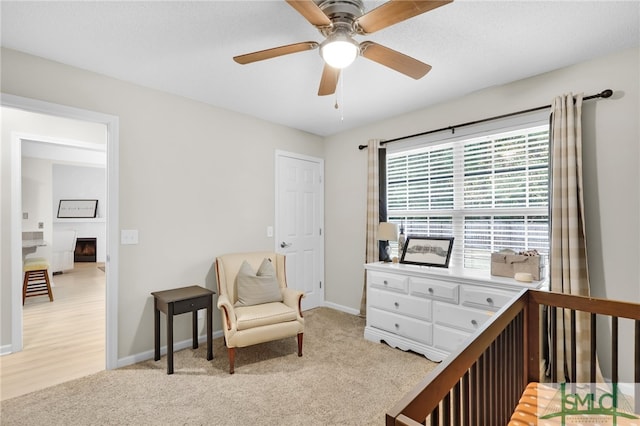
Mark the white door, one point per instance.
(299, 223)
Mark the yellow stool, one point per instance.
(36, 279)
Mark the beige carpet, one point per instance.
(341, 379)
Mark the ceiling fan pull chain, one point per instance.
(342, 97)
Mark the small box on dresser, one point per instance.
(431, 311)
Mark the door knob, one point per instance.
(285, 245)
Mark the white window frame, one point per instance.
(523, 121)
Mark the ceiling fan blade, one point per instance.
(329, 81)
(394, 60)
(275, 52)
(394, 11)
(311, 12)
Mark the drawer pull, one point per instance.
(490, 300)
(396, 304)
(397, 325)
(385, 282)
(474, 322)
(430, 290)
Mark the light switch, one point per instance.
(269, 231)
(128, 236)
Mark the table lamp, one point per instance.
(387, 232)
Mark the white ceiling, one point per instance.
(186, 48)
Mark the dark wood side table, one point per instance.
(179, 301)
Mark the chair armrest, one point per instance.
(293, 299)
(224, 304)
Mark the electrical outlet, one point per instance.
(269, 231)
(25, 215)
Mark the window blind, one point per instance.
(489, 192)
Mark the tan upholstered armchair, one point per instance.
(254, 322)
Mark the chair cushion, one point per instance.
(254, 288)
(35, 264)
(263, 314)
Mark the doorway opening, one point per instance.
(110, 268)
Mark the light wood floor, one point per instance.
(62, 340)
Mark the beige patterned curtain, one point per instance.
(568, 258)
(373, 194)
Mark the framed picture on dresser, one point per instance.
(427, 251)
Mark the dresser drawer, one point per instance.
(459, 317)
(448, 339)
(432, 289)
(400, 303)
(410, 328)
(485, 298)
(388, 281)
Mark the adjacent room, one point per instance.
(207, 220)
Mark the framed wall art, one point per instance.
(427, 251)
(77, 209)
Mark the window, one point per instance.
(488, 191)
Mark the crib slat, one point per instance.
(473, 394)
(592, 349)
(434, 417)
(446, 410)
(455, 404)
(482, 409)
(637, 367)
(553, 319)
(490, 384)
(614, 349)
(465, 399)
(503, 382)
(573, 374)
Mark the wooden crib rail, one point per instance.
(463, 376)
(481, 383)
(593, 307)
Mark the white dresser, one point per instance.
(429, 310)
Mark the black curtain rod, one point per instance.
(604, 94)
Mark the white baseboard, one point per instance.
(146, 355)
(6, 349)
(342, 308)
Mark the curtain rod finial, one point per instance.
(606, 93)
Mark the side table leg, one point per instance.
(194, 320)
(156, 328)
(170, 339)
(209, 332)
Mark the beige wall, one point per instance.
(195, 181)
(611, 164)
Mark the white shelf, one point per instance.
(81, 220)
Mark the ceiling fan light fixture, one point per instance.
(339, 50)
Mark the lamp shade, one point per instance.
(387, 231)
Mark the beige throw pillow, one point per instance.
(259, 287)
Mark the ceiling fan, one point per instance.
(338, 21)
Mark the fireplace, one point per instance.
(85, 250)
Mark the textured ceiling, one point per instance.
(186, 48)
